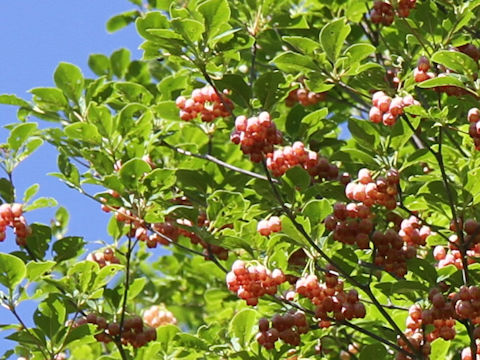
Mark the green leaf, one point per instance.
(165, 336)
(456, 61)
(30, 192)
(363, 132)
(40, 203)
(241, 93)
(358, 52)
(242, 326)
(298, 177)
(70, 80)
(317, 210)
(101, 118)
(448, 80)
(332, 37)
(12, 271)
(49, 99)
(303, 44)
(10, 99)
(267, 88)
(373, 351)
(119, 60)
(39, 240)
(190, 29)
(167, 110)
(133, 93)
(160, 179)
(7, 192)
(50, 315)
(216, 13)
(132, 171)
(136, 287)
(83, 131)
(36, 269)
(100, 64)
(439, 349)
(119, 21)
(68, 248)
(294, 63)
(20, 134)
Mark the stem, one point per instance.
(365, 288)
(216, 161)
(127, 283)
(11, 306)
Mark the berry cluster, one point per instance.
(386, 110)
(391, 253)
(206, 103)
(304, 97)
(170, 229)
(442, 316)
(103, 258)
(12, 215)
(157, 316)
(422, 73)
(252, 282)
(133, 332)
(288, 328)
(351, 224)
(383, 12)
(382, 191)
(474, 130)
(330, 298)
(413, 232)
(256, 135)
(266, 227)
(283, 159)
(471, 230)
(414, 334)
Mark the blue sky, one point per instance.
(34, 37)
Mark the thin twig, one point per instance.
(216, 161)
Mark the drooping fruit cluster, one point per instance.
(287, 328)
(304, 97)
(156, 316)
(471, 236)
(266, 227)
(206, 103)
(414, 334)
(133, 332)
(330, 299)
(351, 224)
(474, 129)
(283, 159)
(413, 232)
(171, 229)
(253, 281)
(391, 253)
(421, 73)
(256, 135)
(382, 191)
(12, 215)
(103, 258)
(442, 316)
(386, 110)
(384, 13)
